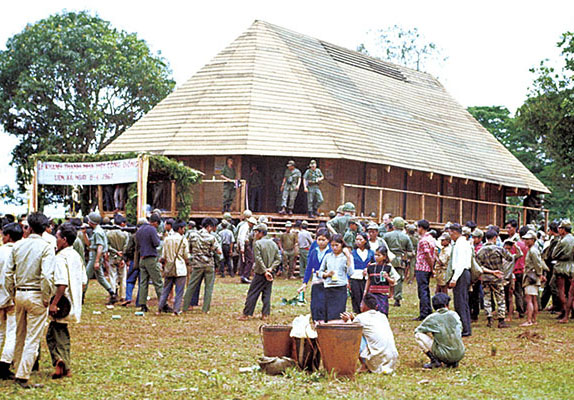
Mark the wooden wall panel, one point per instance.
(393, 201)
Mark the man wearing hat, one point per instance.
(98, 248)
(202, 247)
(491, 258)
(401, 246)
(228, 175)
(290, 187)
(339, 224)
(289, 245)
(414, 237)
(267, 260)
(227, 241)
(245, 250)
(311, 179)
(118, 240)
(564, 269)
(305, 240)
(351, 232)
(443, 259)
(476, 292)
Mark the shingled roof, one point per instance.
(275, 92)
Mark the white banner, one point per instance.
(88, 173)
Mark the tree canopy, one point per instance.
(402, 46)
(72, 83)
(541, 134)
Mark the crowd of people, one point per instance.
(45, 267)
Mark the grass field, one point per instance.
(199, 356)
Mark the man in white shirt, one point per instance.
(245, 251)
(460, 281)
(69, 278)
(378, 351)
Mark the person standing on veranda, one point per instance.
(29, 280)
(311, 180)
(228, 175)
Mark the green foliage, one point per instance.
(541, 135)
(71, 83)
(159, 166)
(9, 196)
(406, 47)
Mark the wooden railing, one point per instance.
(522, 219)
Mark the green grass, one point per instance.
(199, 356)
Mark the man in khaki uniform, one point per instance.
(29, 275)
(117, 242)
(289, 244)
(290, 187)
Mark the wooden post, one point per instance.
(100, 199)
(243, 189)
(438, 210)
(460, 211)
(422, 213)
(33, 204)
(495, 222)
(380, 206)
(546, 218)
(173, 205)
(343, 194)
(525, 216)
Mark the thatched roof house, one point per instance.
(277, 93)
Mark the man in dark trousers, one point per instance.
(147, 240)
(460, 280)
(426, 256)
(267, 260)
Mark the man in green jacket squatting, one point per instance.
(267, 259)
(445, 346)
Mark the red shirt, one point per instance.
(519, 266)
(426, 247)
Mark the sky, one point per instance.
(490, 45)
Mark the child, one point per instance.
(381, 276)
(445, 345)
(334, 269)
(362, 256)
(378, 350)
(316, 256)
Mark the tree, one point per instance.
(541, 135)
(71, 83)
(406, 47)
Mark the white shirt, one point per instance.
(48, 237)
(461, 257)
(242, 234)
(5, 298)
(70, 271)
(380, 355)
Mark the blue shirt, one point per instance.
(148, 240)
(358, 261)
(314, 260)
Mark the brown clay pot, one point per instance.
(276, 340)
(339, 345)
